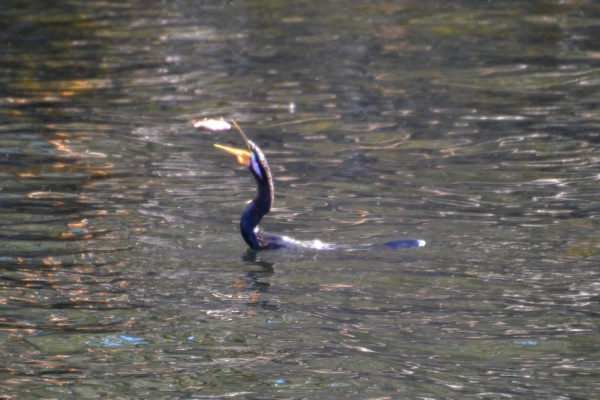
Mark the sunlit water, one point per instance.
(471, 125)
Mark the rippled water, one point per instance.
(472, 125)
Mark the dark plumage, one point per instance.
(253, 212)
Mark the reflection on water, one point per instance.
(260, 271)
(471, 125)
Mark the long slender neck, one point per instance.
(254, 211)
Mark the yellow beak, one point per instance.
(243, 156)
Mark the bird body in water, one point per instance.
(255, 209)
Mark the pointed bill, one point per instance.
(243, 156)
(242, 133)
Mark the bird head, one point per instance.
(253, 158)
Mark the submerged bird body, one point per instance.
(255, 209)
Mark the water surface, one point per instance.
(471, 125)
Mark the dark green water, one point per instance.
(473, 125)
